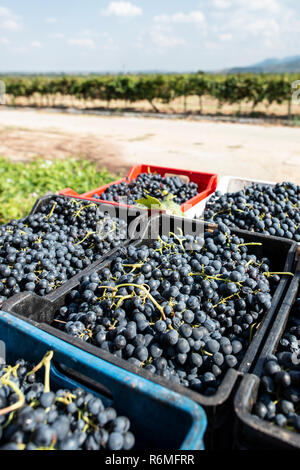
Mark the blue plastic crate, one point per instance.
(161, 419)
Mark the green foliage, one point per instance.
(167, 205)
(22, 183)
(230, 89)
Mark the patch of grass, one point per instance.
(22, 183)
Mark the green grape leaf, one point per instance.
(150, 202)
(167, 205)
(172, 208)
(169, 197)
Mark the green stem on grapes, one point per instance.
(250, 244)
(51, 212)
(86, 236)
(137, 286)
(270, 274)
(18, 392)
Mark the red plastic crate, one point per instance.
(207, 183)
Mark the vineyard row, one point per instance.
(226, 89)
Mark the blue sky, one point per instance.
(169, 35)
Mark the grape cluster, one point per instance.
(42, 251)
(32, 417)
(153, 185)
(279, 394)
(260, 208)
(181, 309)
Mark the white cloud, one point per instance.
(289, 22)
(36, 44)
(122, 9)
(107, 42)
(109, 45)
(87, 43)
(9, 20)
(272, 6)
(50, 20)
(89, 39)
(12, 25)
(5, 12)
(225, 37)
(165, 41)
(222, 4)
(263, 27)
(196, 17)
(4, 41)
(247, 20)
(90, 33)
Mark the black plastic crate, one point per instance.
(250, 431)
(281, 252)
(136, 219)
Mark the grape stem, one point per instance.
(51, 212)
(18, 392)
(46, 362)
(270, 274)
(137, 286)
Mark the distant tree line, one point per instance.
(230, 89)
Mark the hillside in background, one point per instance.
(271, 66)
(286, 65)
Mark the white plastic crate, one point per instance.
(227, 184)
(197, 211)
(232, 184)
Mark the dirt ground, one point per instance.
(23, 144)
(262, 152)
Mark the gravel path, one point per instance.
(262, 152)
